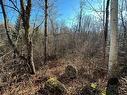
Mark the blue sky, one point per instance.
(70, 8)
(67, 10)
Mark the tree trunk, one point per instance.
(80, 17)
(45, 31)
(113, 53)
(26, 19)
(30, 57)
(106, 28)
(112, 86)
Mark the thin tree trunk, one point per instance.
(106, 28)
(103, 13)
(45, 31)
(80, 16)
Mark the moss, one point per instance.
(52, 85)
(103, 92)
(93, 85)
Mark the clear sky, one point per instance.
(67, 10)
(70, 8)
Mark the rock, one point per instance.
(71, 72)
(55, 87)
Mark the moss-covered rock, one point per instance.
(71, 71)
(55, 87)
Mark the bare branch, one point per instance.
(14, 4)
(94, 9)
(13, 8)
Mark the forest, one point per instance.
(63, 47)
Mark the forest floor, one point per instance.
(25, 84)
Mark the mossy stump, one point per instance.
(54, 87)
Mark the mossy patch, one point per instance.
(53, 86)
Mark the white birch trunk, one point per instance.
(113, 53)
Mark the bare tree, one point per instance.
(25, 14)
(6, 27)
